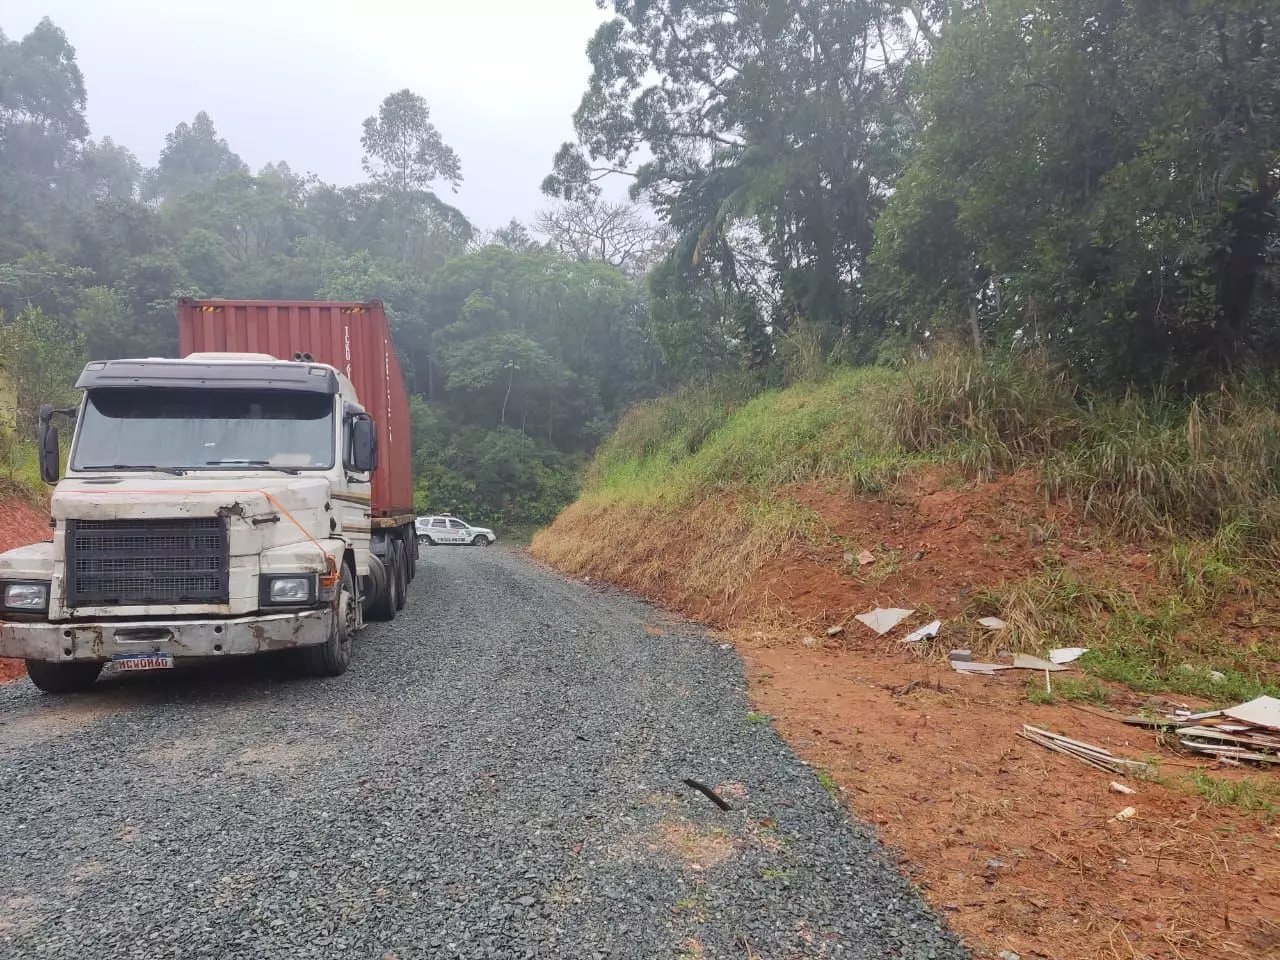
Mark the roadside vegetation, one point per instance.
(1193, 485)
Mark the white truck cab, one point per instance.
(213, 506)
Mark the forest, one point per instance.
(812, 183)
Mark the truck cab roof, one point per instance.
(202, 371)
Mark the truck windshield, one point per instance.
(165, 429)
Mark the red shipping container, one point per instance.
(354, 338)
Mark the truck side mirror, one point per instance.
(364, 445)
(47, 444)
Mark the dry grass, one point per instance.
(707, 552)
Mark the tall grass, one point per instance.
(1149, 648)
(19, 468)
(1199, 467)
(995, 413)
(690, 445)
(1205, 467)
(1143, 466)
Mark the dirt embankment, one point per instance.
(1020, 848)
(20, 524)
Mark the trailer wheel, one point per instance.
(384, 606)
(402, 560)
(331, 658)
(71, 677)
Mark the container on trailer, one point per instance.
(352, 337)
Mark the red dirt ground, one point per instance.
(1015, 845)
(20, 524)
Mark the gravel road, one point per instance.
(498, 775)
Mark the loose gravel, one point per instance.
(500, 774)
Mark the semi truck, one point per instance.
(253, 495)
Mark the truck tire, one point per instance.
(402, 558)
(331, 658)
(70, 677)
(384, 606)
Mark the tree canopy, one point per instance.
(811, 181)
(1096, 177)
(521, 356)
(1101, 178)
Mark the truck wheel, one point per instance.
(385, 605)
(402, 560)
(331, 658)
(71, 677)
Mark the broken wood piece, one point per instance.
(1128, 813)
(834, 631)
(1237, 753)
(882, 619)
(1085, 752)
(1121, 788)
(1209, 733)
(1057, 748)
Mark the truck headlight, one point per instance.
(26, 597)
(289, 590)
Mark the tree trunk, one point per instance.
(1239, 269)
(511, 378)
(974, 329)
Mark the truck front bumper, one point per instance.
(177, 638)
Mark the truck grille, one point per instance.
(145, 562)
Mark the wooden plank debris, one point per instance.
(1243, 732)
(1085, 752)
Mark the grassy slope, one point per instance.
(19, 469)
(696, 494)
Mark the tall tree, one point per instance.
(1101, 177)
(104, 170)
(404, 151)
(751, 127)
(42, 124)
(193, 156)
(614, 233)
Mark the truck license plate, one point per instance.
(143, 661)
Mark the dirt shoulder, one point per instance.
(20, 524)
(1018, 847)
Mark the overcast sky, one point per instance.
(293, 79)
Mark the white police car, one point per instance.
(438, 531)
